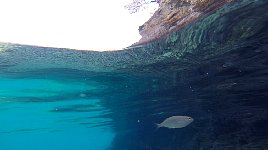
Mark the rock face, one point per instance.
(174, 14)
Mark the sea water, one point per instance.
(46, 114)
(214, 70)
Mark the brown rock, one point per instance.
(174, 14)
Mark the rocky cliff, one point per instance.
(174, 14)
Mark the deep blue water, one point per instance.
(58, 99)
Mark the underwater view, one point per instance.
(203, 87)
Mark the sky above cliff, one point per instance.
(77, 24)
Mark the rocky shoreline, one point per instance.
(172, 15)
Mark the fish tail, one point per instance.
(157, 126)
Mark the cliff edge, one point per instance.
(175, 14)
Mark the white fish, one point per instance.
(176, 122)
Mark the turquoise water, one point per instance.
(36, 115)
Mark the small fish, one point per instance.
(176, 122)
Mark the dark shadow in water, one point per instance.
(226, 93)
